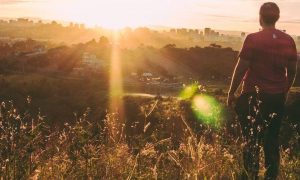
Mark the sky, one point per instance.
(239, 15)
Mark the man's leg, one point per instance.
(246, 117)
(271, 151)
(251, 158)
(272, 110)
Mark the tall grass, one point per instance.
(88, 149)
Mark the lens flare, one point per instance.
(207, 110)
(189, 91)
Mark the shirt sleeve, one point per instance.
(246, 52)
(293, 51)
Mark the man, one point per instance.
(266, 68)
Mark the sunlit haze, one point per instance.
(241, 15)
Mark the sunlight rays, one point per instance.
(116, 88)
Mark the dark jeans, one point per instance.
(260, 116)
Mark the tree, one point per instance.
(214, 45)
(103, 41)
(170, 46)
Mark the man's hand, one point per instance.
(240, 70)
(230, 99)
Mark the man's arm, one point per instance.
(291, 73)
(239, 72)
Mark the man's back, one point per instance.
(269, 52)
(268, 60)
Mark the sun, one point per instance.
(114, 14)
(115, 21)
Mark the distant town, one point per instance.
(70, 33)
(54, 48)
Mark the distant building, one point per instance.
(182, 31)
(89, 64)
(173, 31)
(81, 26)
(91, 61)
(193, 31)
(23, 20)
(38, 50)
(147, 74)
(207, 31)
(211, 35)
(12, 21)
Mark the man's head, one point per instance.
(269, 14)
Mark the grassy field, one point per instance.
(158, 138)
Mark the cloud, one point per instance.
(291, 21)
(219, 16)
(12, 2)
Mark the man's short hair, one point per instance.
(269, 13)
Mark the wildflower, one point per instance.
(272, 115)
(257, 89)
(28, 100)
